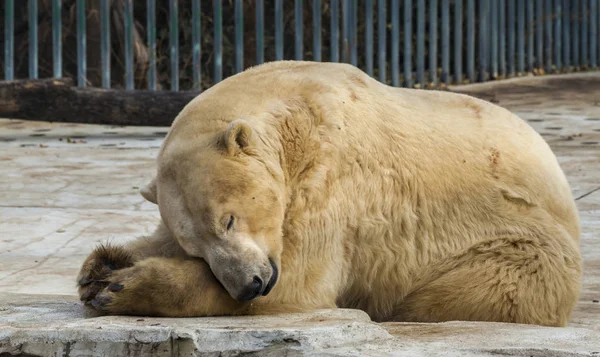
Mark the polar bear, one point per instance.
(295, 186)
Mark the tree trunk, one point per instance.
(57, 100)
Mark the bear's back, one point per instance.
(461, 152)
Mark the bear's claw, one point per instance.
(86, 295)
(115, 287)
(100, 302)
(89, 291)
(84, 281)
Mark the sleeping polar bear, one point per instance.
(299, 185)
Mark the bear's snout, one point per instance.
(258, 286)
(253, 290)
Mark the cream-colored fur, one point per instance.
(412, 205)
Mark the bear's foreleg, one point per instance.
(153, 276)
(176, 287)
(161, 286)
(107, 258)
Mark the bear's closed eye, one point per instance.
(230, 222)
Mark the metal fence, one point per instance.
(422, 43)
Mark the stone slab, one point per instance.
(53, 325)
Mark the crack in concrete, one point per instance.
(51, 254)
(45, 235)
(587, 194)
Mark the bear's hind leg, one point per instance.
(507, 279)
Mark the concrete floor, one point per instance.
(65, 187)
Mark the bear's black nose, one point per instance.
(252, 291)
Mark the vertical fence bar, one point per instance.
(576, 33)
(395, 43)
(381, 39)
(33, 39)
(530, 20)
(510, 25)
(520, 37)
(445, 41)
(56, 38)
(494, 14)
(105, 43)
(260, 30)
(278, 30)
(335, 34)
(81, 60)
(598, 31)
(298, 33)
(218, 39)
(433, 10)
(597, 15)
(353, 33)
(458, 24)
(128, 44)
(483, 41)
(369, 36)
(174, 45)
(407, 41)
(471, 40)
(239, 35)
(594, 33)
(548, 35)
(346, 31)
(539, 34)
(421, 42)
(502, 36)
(584, 33)
(196, 45)
(9, 39)
(317, 30)
(557, 35)
(566, 35)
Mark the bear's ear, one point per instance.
(238, 136)
(149, 191)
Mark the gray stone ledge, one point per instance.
(53, 325)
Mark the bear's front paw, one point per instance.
(131, 291)
(98, 266)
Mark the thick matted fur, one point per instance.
(296, 185)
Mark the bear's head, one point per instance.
(222, 198)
